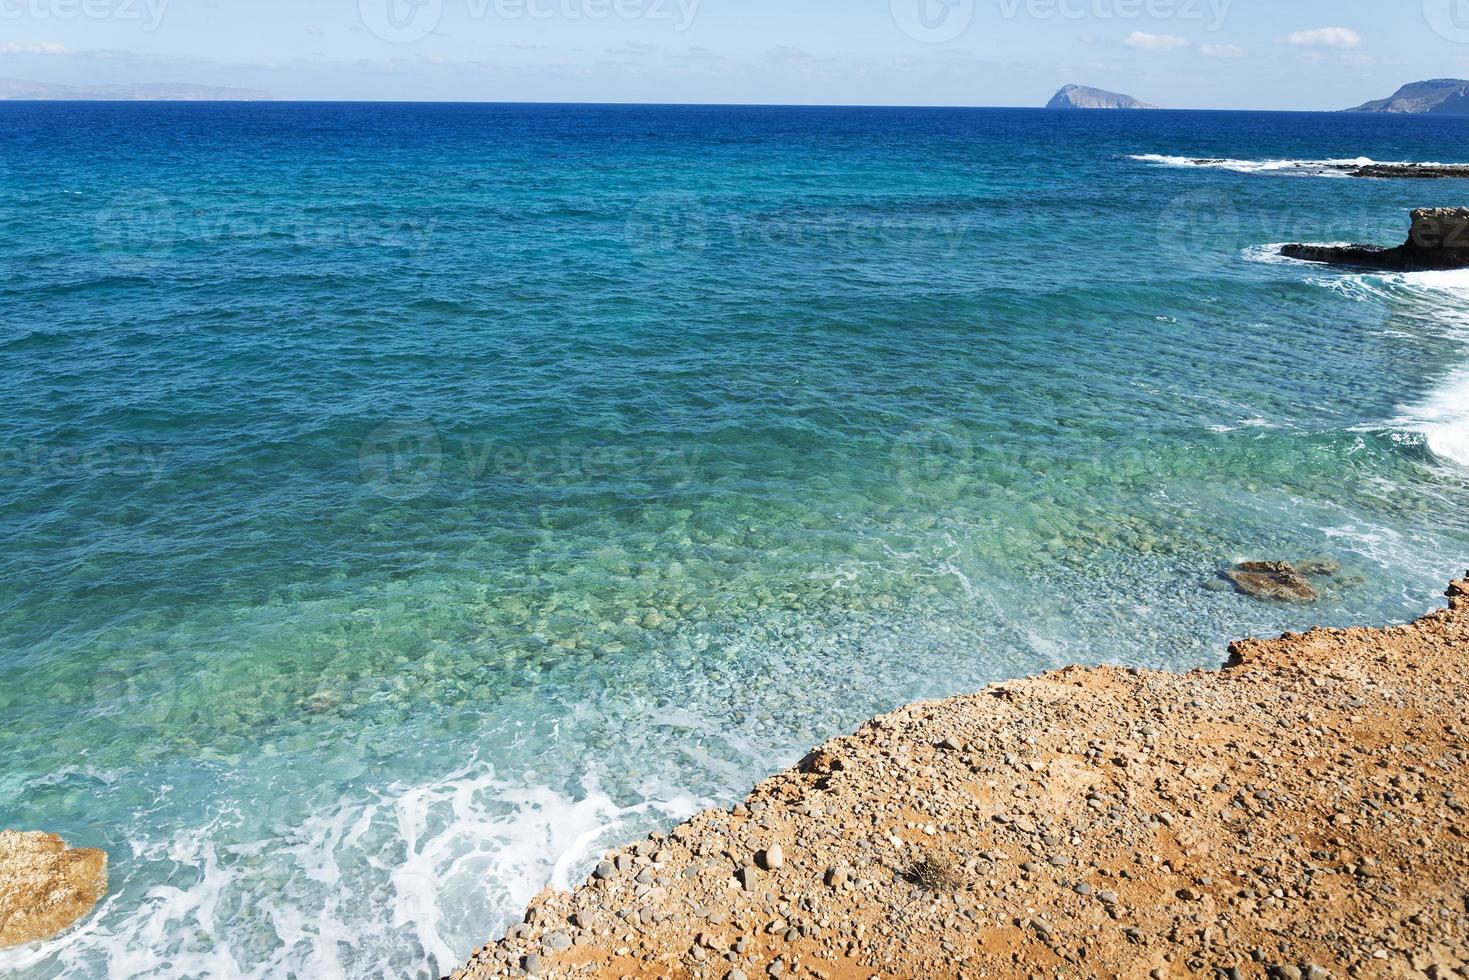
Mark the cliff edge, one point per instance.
(1301, 813)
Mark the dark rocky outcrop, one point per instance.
(1082, 97)
(1439, 96)
(1439, 240)
(1413, 171)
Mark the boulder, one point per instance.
(45, 887)
(1272, 581)
(1438, 239)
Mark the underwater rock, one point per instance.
(1272, 581)
(45, 886)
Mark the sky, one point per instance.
(1211, 54)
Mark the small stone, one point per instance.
(531, 963)
(605, 870)
(557, 941)
(1083, 889)
(775, 857)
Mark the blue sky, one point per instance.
(1271, 54)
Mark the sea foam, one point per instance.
(1290, 167)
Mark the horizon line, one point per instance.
(668, 105)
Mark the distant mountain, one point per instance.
(1081, 97)
(13, 90)
(1441, 96)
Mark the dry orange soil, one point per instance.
(1301, 813)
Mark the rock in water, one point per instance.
(1274, 581)
(44, 886)
(1439, 239)
(1081, 97)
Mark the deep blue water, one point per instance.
(404, 502)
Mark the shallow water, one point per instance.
(404, 503)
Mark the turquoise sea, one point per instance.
(404, 503)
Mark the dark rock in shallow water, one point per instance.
(1414, 171)
(1273, 581)
(1439, 240)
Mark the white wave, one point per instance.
(1302, 168)
(404, 884)
(1443, 419)
(1270, 255)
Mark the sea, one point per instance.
(403, 504)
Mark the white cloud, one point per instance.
(1223, 51)
(1154, 42)
(45, 47)
(1324, 37)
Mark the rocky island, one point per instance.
(1082, 97)
(1439, 96)
(1300, 813)
(1438, 240)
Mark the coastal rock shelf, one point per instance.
(45, 887)
(1438, 240)
(1300, 813)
